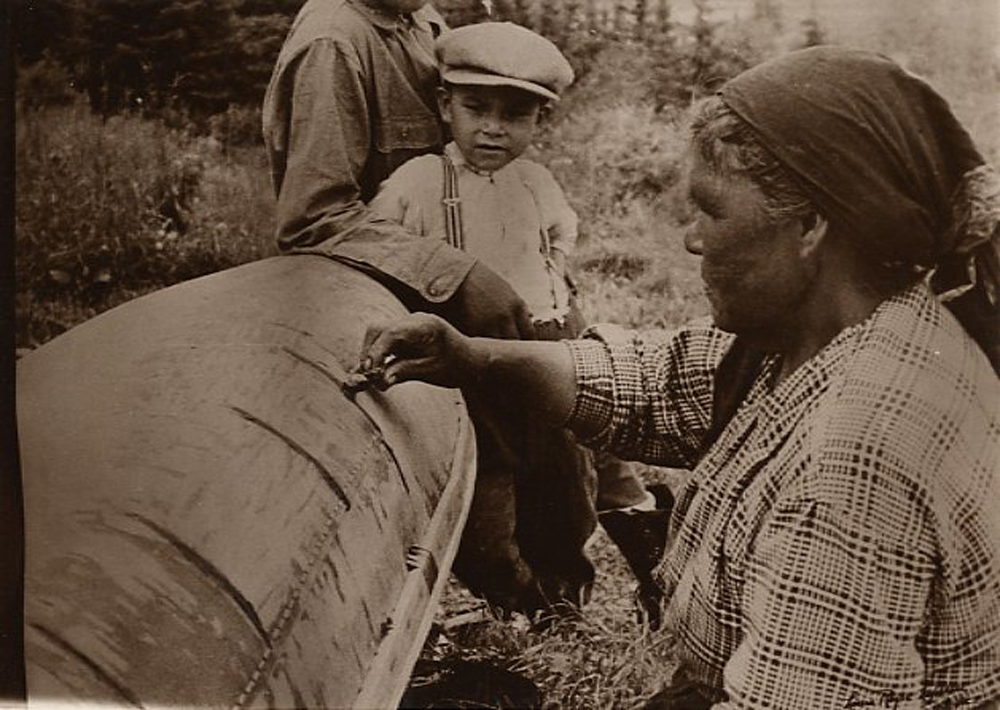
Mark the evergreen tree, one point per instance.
(106, 56)
(283, 8)
(814, 34)
(640, 10)
(466, 12)
(188, 48)
(195, 56)
(258, 39)
(37, 26)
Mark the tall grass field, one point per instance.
(111, 208)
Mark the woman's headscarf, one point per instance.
(882, 155)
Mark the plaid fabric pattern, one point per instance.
(647, 398)
(839, 544)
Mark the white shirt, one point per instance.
(507, 217)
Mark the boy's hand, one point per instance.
(486, 305)
(420, 346)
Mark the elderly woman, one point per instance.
(838, 544)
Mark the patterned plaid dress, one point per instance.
(839, 544)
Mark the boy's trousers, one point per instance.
(536, 501)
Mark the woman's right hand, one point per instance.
(422, 347)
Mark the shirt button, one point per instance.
(436, 288)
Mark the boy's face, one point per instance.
(492, 125)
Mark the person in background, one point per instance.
(837, 545)
(483, 197)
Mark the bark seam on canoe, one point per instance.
(211, 571)
(314, 365)
(103, 675)
(301, 451)
(388, 449)
(288, 609)
(312, 338)
(381, 436)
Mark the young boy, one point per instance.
(483, 197)
(507, 211)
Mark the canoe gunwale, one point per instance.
(390, 670)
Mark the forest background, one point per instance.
(139, 164)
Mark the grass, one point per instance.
(621, 164)
(605, 659)
(110, 209)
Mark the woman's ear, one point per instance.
(444, 104)
(814, 231)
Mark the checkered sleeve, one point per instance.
(646, 397)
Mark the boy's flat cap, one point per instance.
(503, 54)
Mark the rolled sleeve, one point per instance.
(646, 397)
(594, 402)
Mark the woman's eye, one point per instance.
(706, 207)
(697, 205)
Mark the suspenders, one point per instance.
(545, 247)
(453, 221)
(452, 205)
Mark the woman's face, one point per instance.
(752, 266)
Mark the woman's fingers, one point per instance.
(372, 334)
(380, 342)
(423, 369)
(413, 347)
(391, 338)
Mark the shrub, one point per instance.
(110, 209)
(620, 162)
(621, 154)
(44, 83)
(237, 126)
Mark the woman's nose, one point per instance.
(692, 239)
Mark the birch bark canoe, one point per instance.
(210, 522)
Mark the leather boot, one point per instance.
(641, 536)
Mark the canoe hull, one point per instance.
(210, 522)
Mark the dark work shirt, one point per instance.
(350, 100)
